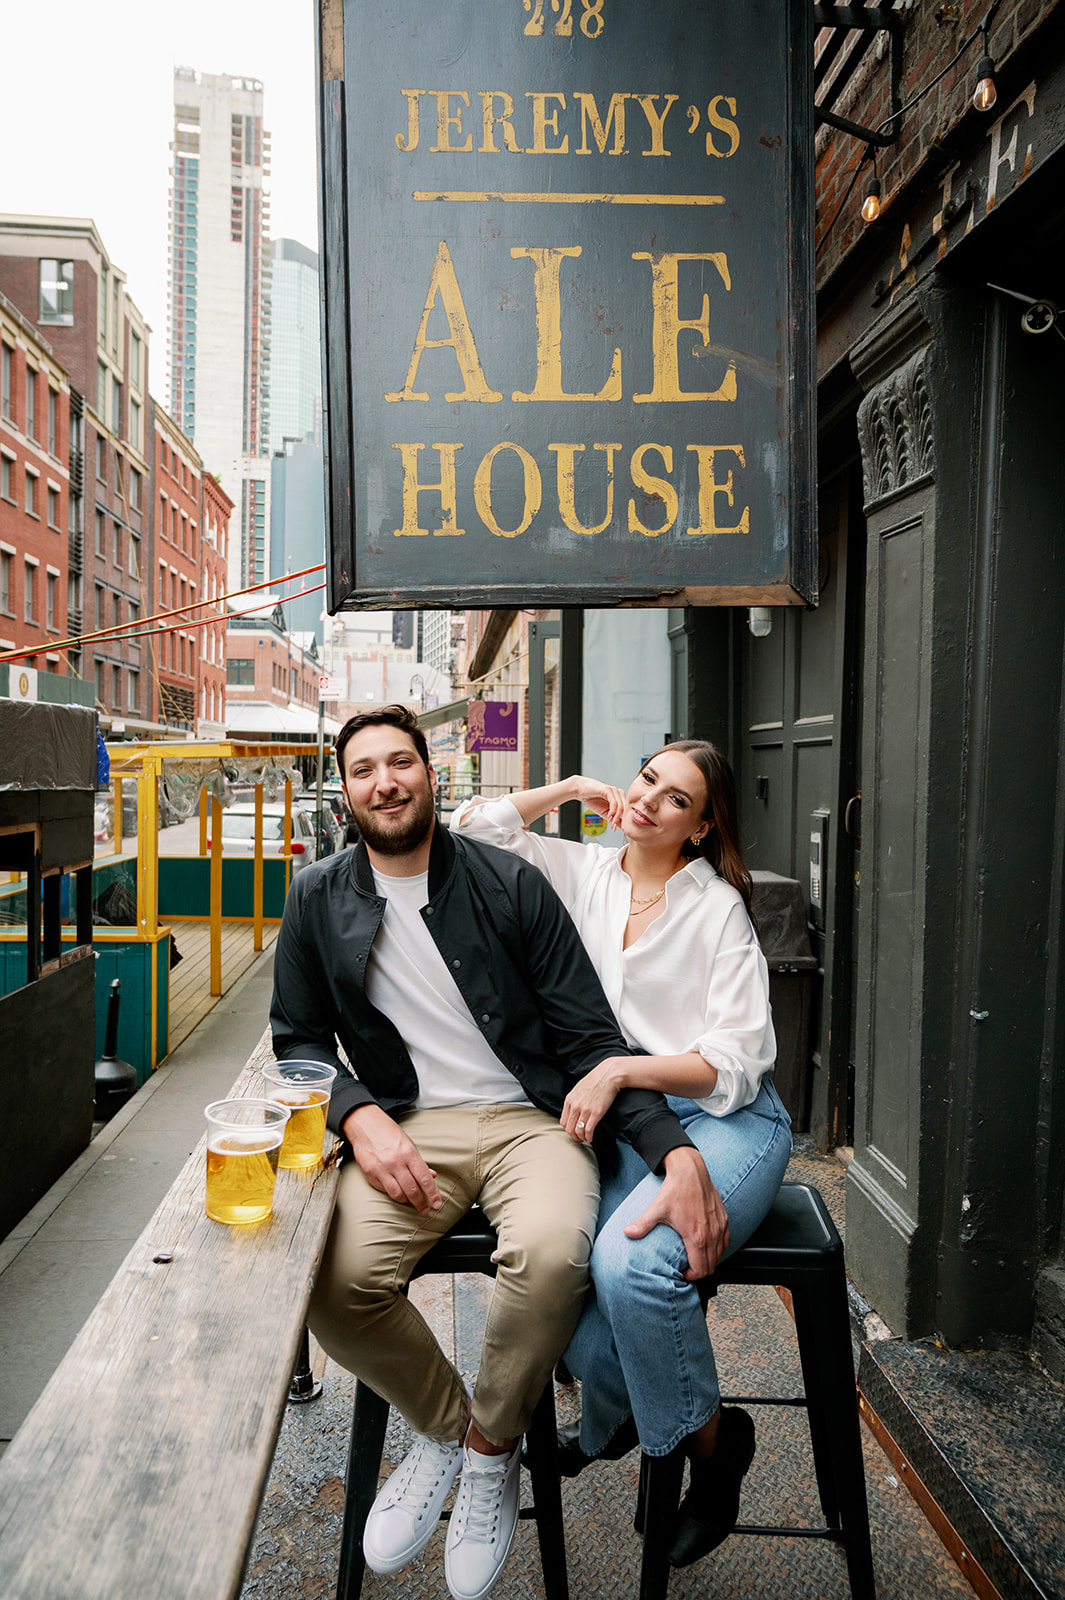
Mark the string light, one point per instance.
(871, 203)
(986, 93)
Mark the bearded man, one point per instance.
(461, 995)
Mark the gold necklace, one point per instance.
(644, 905)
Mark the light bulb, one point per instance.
(985, 93)
(871, 203)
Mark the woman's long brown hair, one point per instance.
(721, 844)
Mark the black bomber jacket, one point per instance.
(515, 955)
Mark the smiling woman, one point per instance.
(667, 924)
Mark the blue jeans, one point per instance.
(642, 1347)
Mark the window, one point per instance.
(101, 459)
(74, 594)
(116, 407)
(184, 532)
(6, 565)
(7, 478)
(162, 585)
(56, 305)
(31, 402)
(7, 362)
(240, 670)
(181, 655)
(135, 424)
(134, 617)
(131, 691)
(116, 546)
(162, 455)
(53, 422)
(31, 592)
(31, 492)
(135, 360)
(134, 486)
(114, 321)
(162, 516)
(102, 377)
(134, 559)
(53, 587)
(101, 332)
(99, 532)
(117, 609)
(53, 507)
(116, 688)
(98, 608)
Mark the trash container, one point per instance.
(780, 910)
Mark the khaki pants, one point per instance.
(540, 1191)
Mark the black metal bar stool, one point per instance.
(467, 1247)
(796, 1248)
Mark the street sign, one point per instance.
(569, 301)
(329, 688)
(491, 725)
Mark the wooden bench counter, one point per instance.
(140, 1470)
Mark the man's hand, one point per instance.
(688, 1203)
(390, 1160)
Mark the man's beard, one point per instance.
(397, 836)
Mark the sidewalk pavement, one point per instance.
(58, 1261)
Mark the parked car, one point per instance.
(238, 833)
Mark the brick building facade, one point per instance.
(58, 273)
(176, 501)
(216, 508)
(35, 504)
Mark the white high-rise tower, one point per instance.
(219, 296)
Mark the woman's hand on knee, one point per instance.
(688, 1202)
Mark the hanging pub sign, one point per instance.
(569, 306)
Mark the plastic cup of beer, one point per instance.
(304, 1088)
(243, 1144)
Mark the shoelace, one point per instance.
(483, 1492)
(430, 1467)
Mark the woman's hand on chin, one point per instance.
(589, 1101)
(604, 798)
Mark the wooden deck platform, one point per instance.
(190, 981)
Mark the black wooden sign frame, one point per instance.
(568, 302)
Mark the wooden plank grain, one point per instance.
(141, 1467)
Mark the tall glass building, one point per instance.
(219, 295)
(295, 345)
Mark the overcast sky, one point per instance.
(86, 117)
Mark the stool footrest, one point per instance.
(790, 1531)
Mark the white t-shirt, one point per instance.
(695, 979)
(407, 978)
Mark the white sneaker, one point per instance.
(481, 1530)
(408, 1505)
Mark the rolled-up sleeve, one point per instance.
(738, 1037)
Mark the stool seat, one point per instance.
(466, 1247)
(796, 1247)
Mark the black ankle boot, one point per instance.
(709, 1511)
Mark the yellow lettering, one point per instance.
(600, 131)
(443, 281)
(548, 264)
(668, 326)
(724, 124)
(567, 490)
(445, 122)
(544, 120)
(412, 120)
(709, 487)
(655, 122)
(491, 121)
(412, 489)
(482, 490)
(654, 489)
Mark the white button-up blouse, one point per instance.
(696, 978)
